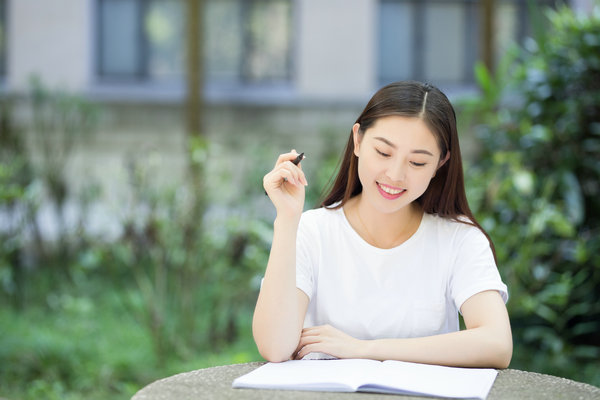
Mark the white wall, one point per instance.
(52, 39)
(336, 48)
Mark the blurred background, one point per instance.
(134, 135)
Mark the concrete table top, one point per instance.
(215, 383)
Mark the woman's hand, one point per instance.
(329, 340)
(285, 185)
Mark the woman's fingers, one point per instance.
(286, 157)
(310, 341)
(296, 171)
(329, 340)
(285, 185)
(290, 172)
(307, 350)
(283, 174)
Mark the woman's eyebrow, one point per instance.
(421, 151)
(392, 145)
(384, 140)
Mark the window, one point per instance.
(140, 39)
(3, 40)
(438, 40)
(249, 41)
(246, 41)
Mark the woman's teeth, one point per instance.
(390, 190)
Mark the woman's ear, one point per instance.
(442, 162)
(357, 137)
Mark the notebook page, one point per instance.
(321, 375)
(436, 380)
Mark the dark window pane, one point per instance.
(164, 31)
(245, 40)
(396, 30)
(268, 46)
(439, 40)
(120, 52)
(2, 38)
(224, 41)
(444, 42)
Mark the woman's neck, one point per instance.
(383, 230)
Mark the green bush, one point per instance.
(536, 189)
(84, 316)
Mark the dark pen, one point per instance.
(295, 161)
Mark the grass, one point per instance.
(88, 341)
(81, 348)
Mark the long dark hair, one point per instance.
(446, 194)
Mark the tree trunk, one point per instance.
(195, 67)
(487, 33)
(197, 149)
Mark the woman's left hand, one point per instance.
(329, 340)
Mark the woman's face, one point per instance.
(397, 157)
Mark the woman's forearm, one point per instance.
(477, 347)
(277, 324)
(487, 341)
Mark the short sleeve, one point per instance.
(307, 245)
(474, 269)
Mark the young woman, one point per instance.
(382, 269)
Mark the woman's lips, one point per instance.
(389, 192)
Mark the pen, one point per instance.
(295, 161)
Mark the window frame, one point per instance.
(4, 6)
(470, 35)
(142, 74)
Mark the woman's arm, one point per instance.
(487, 341)
(281, 307)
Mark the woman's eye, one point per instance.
(416, 164)
(381, 153)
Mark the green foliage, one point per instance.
(323, 171)
(97, 318)
(18, 201)
(87, 344)
(536, 189)
(173, 289)
(33, 159)
(59, 122)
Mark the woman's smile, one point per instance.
(389, 192)
(395, 153)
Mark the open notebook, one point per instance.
(371, 376)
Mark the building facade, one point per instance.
(278, 74)
(283, 50)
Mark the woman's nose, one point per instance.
(397, 171)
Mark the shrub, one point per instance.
(537, 191)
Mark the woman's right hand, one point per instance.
(285, 186)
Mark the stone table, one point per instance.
(215, 383)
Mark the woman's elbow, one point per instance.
(272, 355)
(270, 349)
(503, 351)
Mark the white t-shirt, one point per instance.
(413, 290)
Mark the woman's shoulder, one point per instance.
(320, 214)
(319, 222)
(461, 225)
(455, 234)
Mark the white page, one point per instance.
(436, 380)
(322, 375)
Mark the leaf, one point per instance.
(574, 202)
(485, 81)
